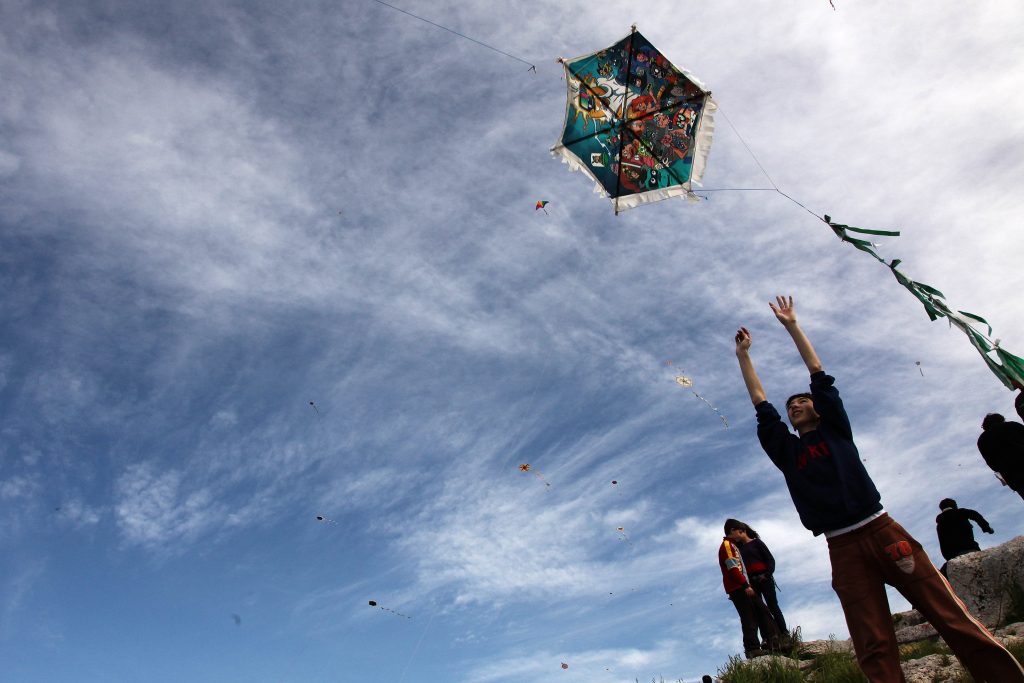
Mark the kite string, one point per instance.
(747, 147)
(416, 649)
(461, 35)
(760, 166)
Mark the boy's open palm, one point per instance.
(785, 311)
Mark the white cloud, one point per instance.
(156, 509)
(80, 514)
(9, 163)
(17, 591)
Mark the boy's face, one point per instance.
(735, 535)
(801, 412)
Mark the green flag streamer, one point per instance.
(1008, 368)
(841, 232)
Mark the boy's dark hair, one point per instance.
(796, 396)
(731, 524)
(947, 503)
(991, 420)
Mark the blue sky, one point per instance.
(212, 214)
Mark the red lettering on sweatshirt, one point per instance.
(811, 451)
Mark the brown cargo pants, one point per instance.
(883, 552)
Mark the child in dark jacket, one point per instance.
(834, 496)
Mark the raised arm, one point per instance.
(786, 313)
(981, 521)
(750, 378)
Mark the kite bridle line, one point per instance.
(607, 104)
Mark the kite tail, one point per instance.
(721, 417)
(1006, 366)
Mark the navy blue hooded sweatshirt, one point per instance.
(824, 473)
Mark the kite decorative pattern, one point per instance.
(640, 127)
(1006, 366)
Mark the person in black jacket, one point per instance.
(1018, 403)
(1002, 445)
(953, 525)
(761, 572)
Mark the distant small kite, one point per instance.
(238, 619)
(918, 364)
(541, 204)
(373, 603)
(614, 482)
(525, 467)
(625, 536)
(325, 520)
(564, 665)
(314, 407)
(684, 381)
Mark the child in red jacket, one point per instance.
(751, 609)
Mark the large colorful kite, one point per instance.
(640, 127)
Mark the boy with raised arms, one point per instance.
(834, 496)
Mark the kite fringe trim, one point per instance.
(705, 134)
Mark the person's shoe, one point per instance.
(751, 654)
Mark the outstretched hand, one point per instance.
(785, 311)
(743, 340)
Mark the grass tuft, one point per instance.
(922, 648)
(773, 670)
(834, 666)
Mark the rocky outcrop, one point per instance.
(985, 580)
(946, 667)
(932, 668)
